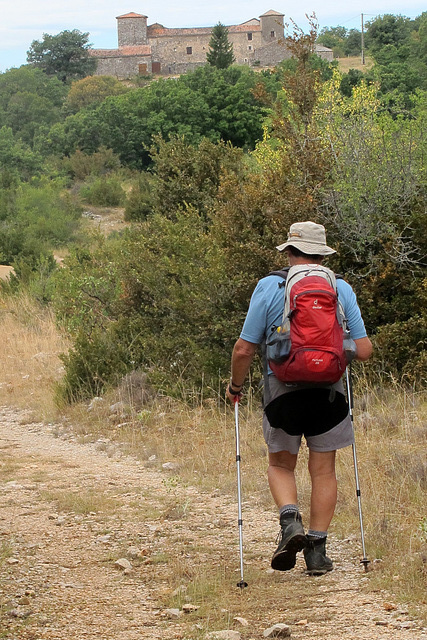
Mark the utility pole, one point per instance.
(363, 43)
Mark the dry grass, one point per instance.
(6, 551)
(106, 220)
(81, 502)
(354, 62)
(29, 363)
(391, 435)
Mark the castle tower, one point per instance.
(272, 26)
(132, 30)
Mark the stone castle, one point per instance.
(145, 49)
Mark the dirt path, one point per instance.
(69, 511)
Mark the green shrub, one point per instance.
(80, 165)
(35, 218)
(400, 351)
(139, 201)
(104, 192)
(94, 362)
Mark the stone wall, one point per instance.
(132, 31)
(272, 24)
(324, 52)
(244, 48)
(271, 54)
(173, 51)
(123, 66)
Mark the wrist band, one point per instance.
(234, 393)
(233, 384)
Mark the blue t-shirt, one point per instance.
(266, 310)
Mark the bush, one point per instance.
(95, 362)
(92, 90)
(80, 165)
(139, 201)
(401, 351)
(35, 218)
(104, 192)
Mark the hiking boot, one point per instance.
(291, 540)
(315, 557)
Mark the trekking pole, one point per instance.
(242, 584)
(364, 560)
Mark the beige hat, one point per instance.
(309, 238)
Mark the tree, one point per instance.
(343, 42)
(334, 38)
(212, 103)
(353, 43)
(185, 175)
(65, 55)
(92, 91)
(349, 80)
(398, 45)
(387, 30)
(29, 101)
(374, 207)
(17, 157)
(220, 52)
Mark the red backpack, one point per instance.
(309, 344)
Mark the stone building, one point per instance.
(144, 49)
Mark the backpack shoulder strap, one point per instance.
(283, 273)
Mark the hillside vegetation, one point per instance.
(210, 169)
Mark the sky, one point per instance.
(23, 21)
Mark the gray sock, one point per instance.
(289, 509)
(312, 533)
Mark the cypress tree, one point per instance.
(220, 54)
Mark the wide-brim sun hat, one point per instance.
(309, 238)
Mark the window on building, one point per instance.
(249, 36)
(273, 34)
(250, 47)
(189, 50)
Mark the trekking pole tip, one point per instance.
(242, 584)
(365, 563)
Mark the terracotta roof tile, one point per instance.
(238, 28)
(179, 32)
(131, 15)
(272, 13)
(158, 31)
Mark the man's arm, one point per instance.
(241, 360)
(364, 349)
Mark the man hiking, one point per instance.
(317, 411)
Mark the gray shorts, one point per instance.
(339, 436)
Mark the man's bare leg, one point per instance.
(281, 477)
(321, 466)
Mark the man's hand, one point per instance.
(241, 360)
(364, 349)
(234, 392)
